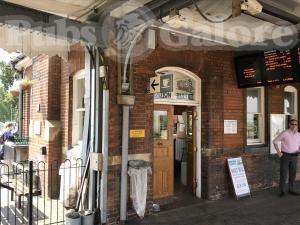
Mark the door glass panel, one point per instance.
(190, 124)
(289, 103)
(160, 124)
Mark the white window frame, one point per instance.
(76, 119)
(295, 92)
(261, 122)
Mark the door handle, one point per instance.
(160, 143)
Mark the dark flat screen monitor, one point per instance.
(296, 61)
(278, 67)
(249, 70)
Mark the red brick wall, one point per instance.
(46, 75)
(40, 71)
(66, 105)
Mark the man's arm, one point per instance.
(276, 143)
(279, 153)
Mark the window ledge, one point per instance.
(257, 148)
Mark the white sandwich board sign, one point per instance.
(238, 177)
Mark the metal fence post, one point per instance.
(30, 202)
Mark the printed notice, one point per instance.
(238, 177)
(137, 133)
(230, 126)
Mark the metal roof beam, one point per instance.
(279, 13)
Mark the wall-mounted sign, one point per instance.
(166, 83)
(238, 177)
(137, 133)
(155, 84)
(230, 126)
(37, 127)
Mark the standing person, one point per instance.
(8, 132)
(288, 153)
(6, 135)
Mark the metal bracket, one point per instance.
(96, 161)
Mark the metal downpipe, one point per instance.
(125, 131)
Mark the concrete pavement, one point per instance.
(263, 208)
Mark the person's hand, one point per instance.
(280, 154)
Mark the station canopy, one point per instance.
(210, 23)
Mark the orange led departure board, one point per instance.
(248, 69)
(278, 67)
(297, 61)
(268, 68)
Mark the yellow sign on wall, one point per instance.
(137, 133)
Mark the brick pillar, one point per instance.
(45, 119)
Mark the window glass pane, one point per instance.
(185, 89)
(80, 93)
(289, 103)
(253, 100)
(81, 123)
(160, 124)
(252, 126)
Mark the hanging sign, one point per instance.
(137, 133)
(238, 177)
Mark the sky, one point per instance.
(4, 56)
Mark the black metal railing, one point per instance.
(38, 192)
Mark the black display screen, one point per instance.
(268, 68)
(278, 67)
(296, 61)
(249, 70)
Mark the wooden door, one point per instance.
(191, 150)
(163, 165)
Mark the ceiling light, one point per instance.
(251, 6)
(176, 22)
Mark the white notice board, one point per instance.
(230, 126)
(238, 177)
(277, 125)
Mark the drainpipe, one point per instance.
(105, 131)
(125, 132)
(20, 125)
(91, 201)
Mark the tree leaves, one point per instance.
(8, 103)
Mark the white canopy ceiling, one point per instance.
(257, 29)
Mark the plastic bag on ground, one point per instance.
(69, 184)
(138, 188)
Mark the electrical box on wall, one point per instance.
(43, 150)
(96, 161)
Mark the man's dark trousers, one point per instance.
(288, 163)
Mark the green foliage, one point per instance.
(26, 81)
(8, 103)
(7, 75)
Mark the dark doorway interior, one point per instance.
(183, 141)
